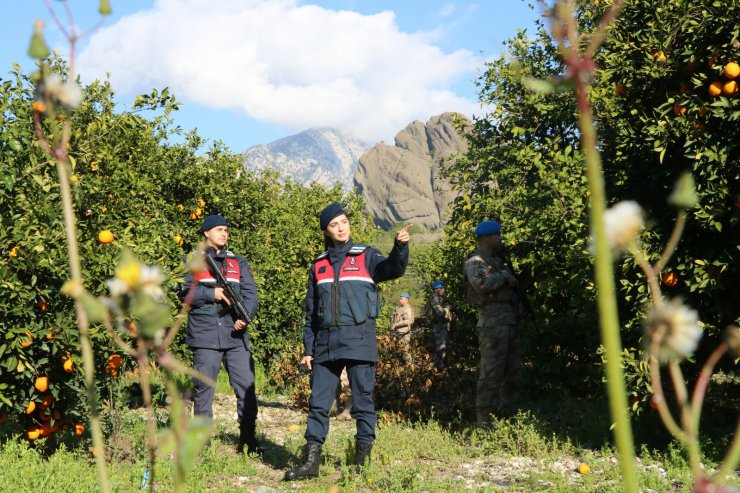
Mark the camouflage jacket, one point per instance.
(402, 319)
(487, 287)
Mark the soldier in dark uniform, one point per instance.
(216, 335)
(341, 307)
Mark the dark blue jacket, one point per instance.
(352, 341)
(206, 327)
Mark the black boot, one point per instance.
(362, 453)
(248, 438)
(310, 468)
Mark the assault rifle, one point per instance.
(234, 299)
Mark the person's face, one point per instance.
(216, 237)
(338, 230)
(403, 300)
(492, 243)
(440, 291)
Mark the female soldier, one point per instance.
(341, 306)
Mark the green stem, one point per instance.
(606, 296)
(687, 418)
(672, 242)
(146, 392)
(659, 397)
(177, 412)
(88, 361)
(731, 460)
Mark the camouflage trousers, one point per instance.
(441, 340)
(404, 336)
(500, 369)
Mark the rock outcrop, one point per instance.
(323, 155)
(402, 182)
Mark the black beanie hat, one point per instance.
(330, 212)
(211, 222)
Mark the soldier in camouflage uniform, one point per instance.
(492, 287)
(439, 311)
(403, 319)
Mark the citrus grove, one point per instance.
(661, 109)
(666, 102)
(132, 188)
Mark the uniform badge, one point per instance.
(352, 261)
(322, 269)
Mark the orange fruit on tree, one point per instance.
(679, 110)
(715, 88)
(79, 429)
(115, 360)
(732, 70)
(180, 207)
(31, 407)
(105, 236)
(68, 365)
(659, 56)
(39, 106)
(670, 279)
(193, 216)
(27, 342)
(50, 335)
(41, 383)
(584, 468)
(730, 88)
(201, 203)
(13, 252)
(33, 433)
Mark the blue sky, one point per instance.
(252, 71)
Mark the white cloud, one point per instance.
(283, 62)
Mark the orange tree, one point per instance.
(658, 114)
(140, 178)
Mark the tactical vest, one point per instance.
(231, 271)
(347, 297)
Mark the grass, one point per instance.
(535, 450)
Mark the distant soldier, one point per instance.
(439, 311)
(492, 287)
(403, 319)
(344, 399)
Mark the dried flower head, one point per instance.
(67, 93)
(623, 223)
(673, 330)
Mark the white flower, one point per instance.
(67, 93)
(151, 281)
(134, 275)
(622, 223)
(117, 287)
(674, 329)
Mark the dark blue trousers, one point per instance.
(240, 367)
(324, 381)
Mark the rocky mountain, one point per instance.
(324, 155)
(402, 182)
